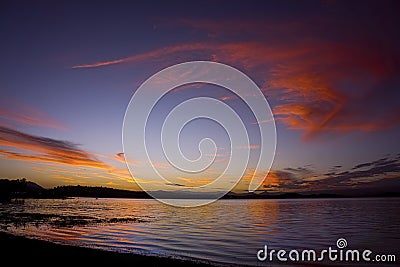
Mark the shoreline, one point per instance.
(33, 252)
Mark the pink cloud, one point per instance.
(22, 113)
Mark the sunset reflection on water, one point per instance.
(227, 231)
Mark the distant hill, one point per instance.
(283, 195)
(266, 195)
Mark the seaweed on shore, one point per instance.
(24, 219)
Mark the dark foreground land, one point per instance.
(20, 251)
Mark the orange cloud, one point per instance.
(46, 150)
(319, 85)
(35, 158)
(68, 179)
(71, 174)
(193, 182)
(249, 147)
(278, 181)
(275, 180)
(120, 157)
(228, 98)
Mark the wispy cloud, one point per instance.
(119, 157)
(249, 147)
(45, 149)
(68, 179)
(162, 52)
(15, 111)
(318, 85)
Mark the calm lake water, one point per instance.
(227, 231)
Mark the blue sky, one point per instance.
(330, 71)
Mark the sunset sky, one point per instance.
(329, 69)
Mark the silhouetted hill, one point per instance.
(18, 189)
(33, 187)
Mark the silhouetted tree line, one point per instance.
(12, 189)
(21, 188)
(95, 192)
